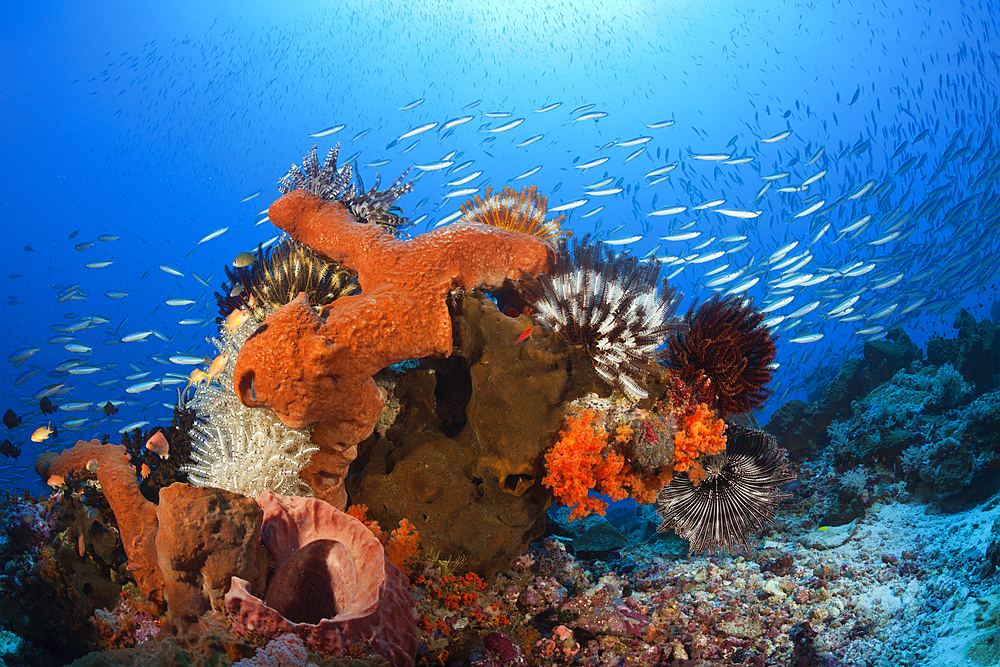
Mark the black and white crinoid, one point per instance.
(327, 182)
(738, 496)
(610, 306)
(332, 183)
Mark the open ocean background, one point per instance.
(148, 124)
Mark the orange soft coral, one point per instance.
(700, 433)
(643, 488)
(360, 512)
(578, 463)
(586, 457)
(403, 548)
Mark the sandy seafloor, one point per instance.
(903, 586)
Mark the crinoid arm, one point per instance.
(328, 182)
(280, 273)
(728, 344)
(378, 207)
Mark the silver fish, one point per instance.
(328, 131)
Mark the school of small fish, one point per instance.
(841, 218)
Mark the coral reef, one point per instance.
(135, 516)
(312, 368)
(923, 425)
(975, 351)
(462, 457)
(610, 306)
(174, 566)
(618, 450)
(46, 587)
(204, 538)
(460, 421)
(801, 428)
(887, 357)
(332, 584)
(925, 432)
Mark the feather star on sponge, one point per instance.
(311, 368)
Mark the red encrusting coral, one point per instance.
(312, 368)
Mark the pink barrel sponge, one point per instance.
(332, 585)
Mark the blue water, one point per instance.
(152, 123)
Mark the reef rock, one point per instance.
(829, 538)
(975, 350)
(800, 427)
(886, 357)
(463, 461)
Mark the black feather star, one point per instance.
(738, 497)
(611, 307)
(378, 207)
(279, 274)
(332, 183)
